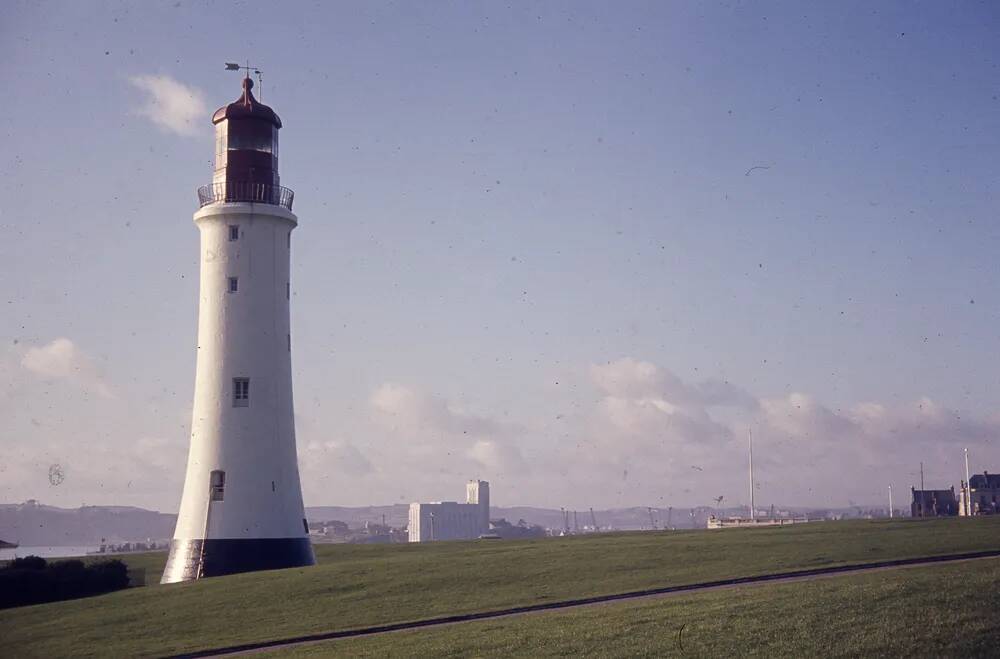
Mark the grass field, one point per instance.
(358, 585)
(940, 611)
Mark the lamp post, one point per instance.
(968, 486)
(750, 443)
(890, 500)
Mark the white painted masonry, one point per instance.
(243, 335)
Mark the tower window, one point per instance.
(234, 284)
(234, 232)
(289, 337)
(241, 392)
(217, 485)
(288, 291)
(289, 240)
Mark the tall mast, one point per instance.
(750, 442)
(968, 487)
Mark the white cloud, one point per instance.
(170, 104)
(639, 435)
(110, 449)
(414, 410)
(651, 436)
(649, 404)
(435, 435)
(631, 378)
(337, 456)
(63, 360)
(497, 457)
(801, 416)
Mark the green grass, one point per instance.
(359, 585)
(939, 611)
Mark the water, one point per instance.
(44, 552)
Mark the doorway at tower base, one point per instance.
(195, 559)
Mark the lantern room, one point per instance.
(246, 143)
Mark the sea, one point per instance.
(44, 552)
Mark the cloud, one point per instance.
(631, 378)
(801, 416)
(497, 456)
(639, 434)
(63, 360)
(438, 435)
(652, 436)
(339, 456)
(170, 104)
(651, 405)
(414, 410)
(57, 411)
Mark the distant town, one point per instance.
(123, 529)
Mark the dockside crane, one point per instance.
(593, 520)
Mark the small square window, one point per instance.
(234, 232)
(234, 284)
(241, 392)
(217, 485)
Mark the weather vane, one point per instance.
(233, 66)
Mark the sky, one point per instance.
(576, 249)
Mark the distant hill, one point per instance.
(35, 524)
(32, 524)
(395, 515)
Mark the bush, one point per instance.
(29, 563)
(32, 580)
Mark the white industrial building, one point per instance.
(450, 520)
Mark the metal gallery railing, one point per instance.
(261, 193)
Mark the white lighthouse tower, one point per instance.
(242, 504)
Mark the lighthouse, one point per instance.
(241, 509)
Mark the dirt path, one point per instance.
(666, 591)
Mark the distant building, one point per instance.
(450, 520)
(983, 492)
(933, 503)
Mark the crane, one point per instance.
(652, 522)
(593, 520)
(670, 514)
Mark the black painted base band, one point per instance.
(195, 559)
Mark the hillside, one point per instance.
(850, 616)
(360, 585)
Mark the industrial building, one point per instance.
(450, 520)
(981, 495)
